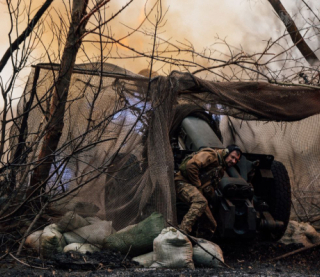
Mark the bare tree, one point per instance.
(60, 95)
(40, 156)
(53, 105)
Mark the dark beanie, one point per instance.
(233, 147)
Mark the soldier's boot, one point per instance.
(206, 226)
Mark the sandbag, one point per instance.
(139, 239)
(172, 249)
(93, 233)
(33, 240)
(51, 241)
(71, 221)
(81, 248)
(145, 260)
(202, 258)
(300, 232)
(92, 219)
(95, 219)
(126, 228)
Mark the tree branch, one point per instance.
(294, 33)
(15, 45)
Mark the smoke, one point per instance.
(244, 25)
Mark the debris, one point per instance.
(295, 252)
(105, 259)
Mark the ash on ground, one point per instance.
(251, 258)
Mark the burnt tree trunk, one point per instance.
(59, 98)
(294, 33)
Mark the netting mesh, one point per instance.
(114, 156)
(102, 156)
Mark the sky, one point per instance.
(242, 23)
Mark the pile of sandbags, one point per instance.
(300, 232)
(151, 243)
(71, 232)
(74, 232)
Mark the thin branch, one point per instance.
(15, 45)
(295, 35)
(26, 263)
(311, 10)
(295, 252)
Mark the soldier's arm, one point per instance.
(196, 163)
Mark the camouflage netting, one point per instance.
(114, 156)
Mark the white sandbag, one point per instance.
(92, 219)
(51, 241)
(300, 232)
(202, 258)
(93, 233)
(81, 248)
(33, 240)
(145, 260)
(71, 221)
(172, 249)
(95, 219)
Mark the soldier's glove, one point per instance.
(217, 174)
(208, 192)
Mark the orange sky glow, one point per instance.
(246, 24)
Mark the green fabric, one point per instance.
(139, 239)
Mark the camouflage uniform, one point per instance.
(189, 188)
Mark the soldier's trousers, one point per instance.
(191, 195)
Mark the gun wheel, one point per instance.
(279, 198)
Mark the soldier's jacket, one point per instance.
(203, 161)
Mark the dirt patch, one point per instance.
(250, 258)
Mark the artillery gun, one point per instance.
(254, 197)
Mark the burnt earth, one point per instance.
(245, 259)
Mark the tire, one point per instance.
(279, 198)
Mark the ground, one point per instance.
(245, 259)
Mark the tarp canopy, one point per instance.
(123, 126)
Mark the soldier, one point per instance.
(191, 190)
